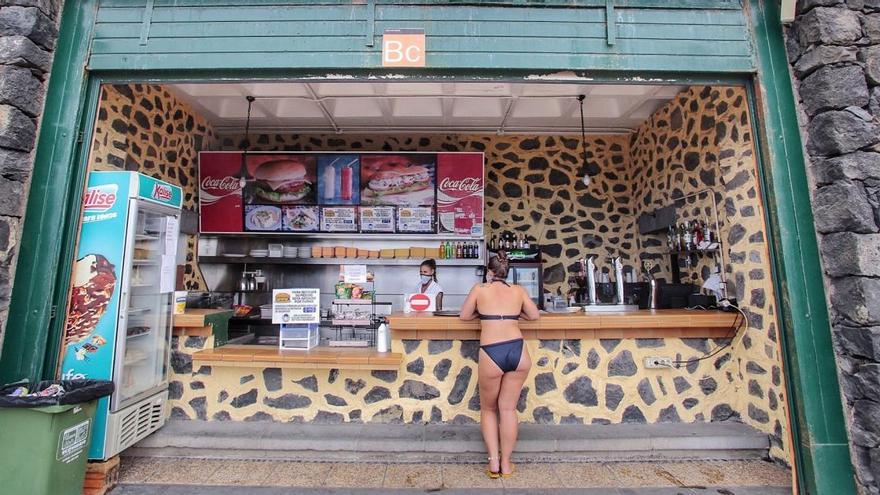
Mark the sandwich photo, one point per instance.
(397, 180)
(287, 180)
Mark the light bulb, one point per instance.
(586, 180)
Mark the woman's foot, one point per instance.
(507, 469)
(494, 469)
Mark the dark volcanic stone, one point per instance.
(198, 405)
(723, 412)
(755, 368)
(646, 391)
(181, 362)
(708, 385)
(841, 131)
(377, 394)
(272, 379)
(581, 391)
(221, 416)
(354, 386)
(393, 415)
(222, 396)
(416, 367)
(609, 344)
(571, 348)
(553, 345)
(259, 416)
(441, 369)
(834, 87)
(843, 206)
(385, 375)
(411, 345)
(287, 401)
(175, 390)
(245, 399)
(179, 413)
(758, 414)
(439, 346)
(436, 415)
(633, 414)
(649, 343)
(326, 417)
(669, 415)
(700, 345)
(622, 365)
(523, 398)
(470, 349)
(335, 400)
(246, 379)
(592, 359)
(690, 403)
(308, 383)
(461, 385)
(571, 419)
(613, 396)
(414, 389)
(543, 415)
(681, 384)
(543, 362)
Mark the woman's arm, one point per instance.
(469, 307)
(438, 301)
(529, 309)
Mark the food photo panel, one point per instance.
(339, 179)
(262, 218)
(398, 180)
(300, 219)
(281, 179)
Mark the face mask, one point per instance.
(426, 278)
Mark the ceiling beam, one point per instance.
(323, 108)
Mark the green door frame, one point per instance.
(33, 336)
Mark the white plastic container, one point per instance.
(382, 338)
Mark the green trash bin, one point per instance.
(43, 450)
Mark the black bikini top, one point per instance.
(499, 317)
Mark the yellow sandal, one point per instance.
(507, 475)
(493, 474)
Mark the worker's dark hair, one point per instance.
(430, 263)
(498, 265)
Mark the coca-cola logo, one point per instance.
(468, 184)
(228, 183)
(100, 198)
(161, 192)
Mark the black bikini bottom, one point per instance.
(505, 354)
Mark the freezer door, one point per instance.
(527, 277)
(144, 329)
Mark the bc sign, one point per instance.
(403, 48)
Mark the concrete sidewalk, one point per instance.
(147, 476)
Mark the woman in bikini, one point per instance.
(504, 361)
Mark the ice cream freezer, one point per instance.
(118, 322)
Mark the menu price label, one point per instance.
(296, 306)
(415, 220)
(343, 219)
(377, 219)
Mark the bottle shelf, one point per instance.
(336, 261)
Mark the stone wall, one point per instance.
(144, 128)
(834, 51)
(28, 30)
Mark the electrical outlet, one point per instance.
(655, 362)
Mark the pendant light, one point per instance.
(246, 143)
(586, 177)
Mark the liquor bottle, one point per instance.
(526, 243)
(687, 237)
(708, 234)
(670, 238)
(492, 243)
(458, 250)
(698, 234)
(442, 251)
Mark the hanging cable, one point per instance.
(586, 177)
(247, 142)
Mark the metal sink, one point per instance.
(610, 308)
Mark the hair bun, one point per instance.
(502, 255)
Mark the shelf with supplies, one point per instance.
(291, 236)
(336, 261)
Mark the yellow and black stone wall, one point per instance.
(700, 140)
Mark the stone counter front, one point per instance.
(573, 381)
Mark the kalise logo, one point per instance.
(161, 192)
(469, 184)
(100, 198)
(228, 183)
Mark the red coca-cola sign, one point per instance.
(460, 193)
(220, 192)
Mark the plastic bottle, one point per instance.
(442, 250)
(345, 186)
(382, 338)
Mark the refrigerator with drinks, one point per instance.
(118, 321)
(529, 275)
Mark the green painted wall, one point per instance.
(684, 36)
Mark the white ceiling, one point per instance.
(384, 107)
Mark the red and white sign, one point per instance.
(161, 192)
(460, 193)
(220, 192)
(419, 302)
(100, 198)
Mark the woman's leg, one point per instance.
(511, 386)
(489, 378)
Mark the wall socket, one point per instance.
(655, 362)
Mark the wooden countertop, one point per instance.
(658, 323)
(264, 356)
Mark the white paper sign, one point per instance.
(419, 219)
(354, 274)
(296, 306)
(172, 230)
(167, 273)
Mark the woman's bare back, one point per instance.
(498, 298)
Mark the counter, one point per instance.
(658, 323)
(203, 323)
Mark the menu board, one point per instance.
(377, 219)
(415, 220)
(339, 219)
(384, 192)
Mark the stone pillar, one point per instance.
(834, 50)
(28, 30)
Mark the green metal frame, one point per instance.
(820, 441)
(33, 339)
(30, 349)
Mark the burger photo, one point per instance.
(282, 181)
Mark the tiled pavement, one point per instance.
(171, 476)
